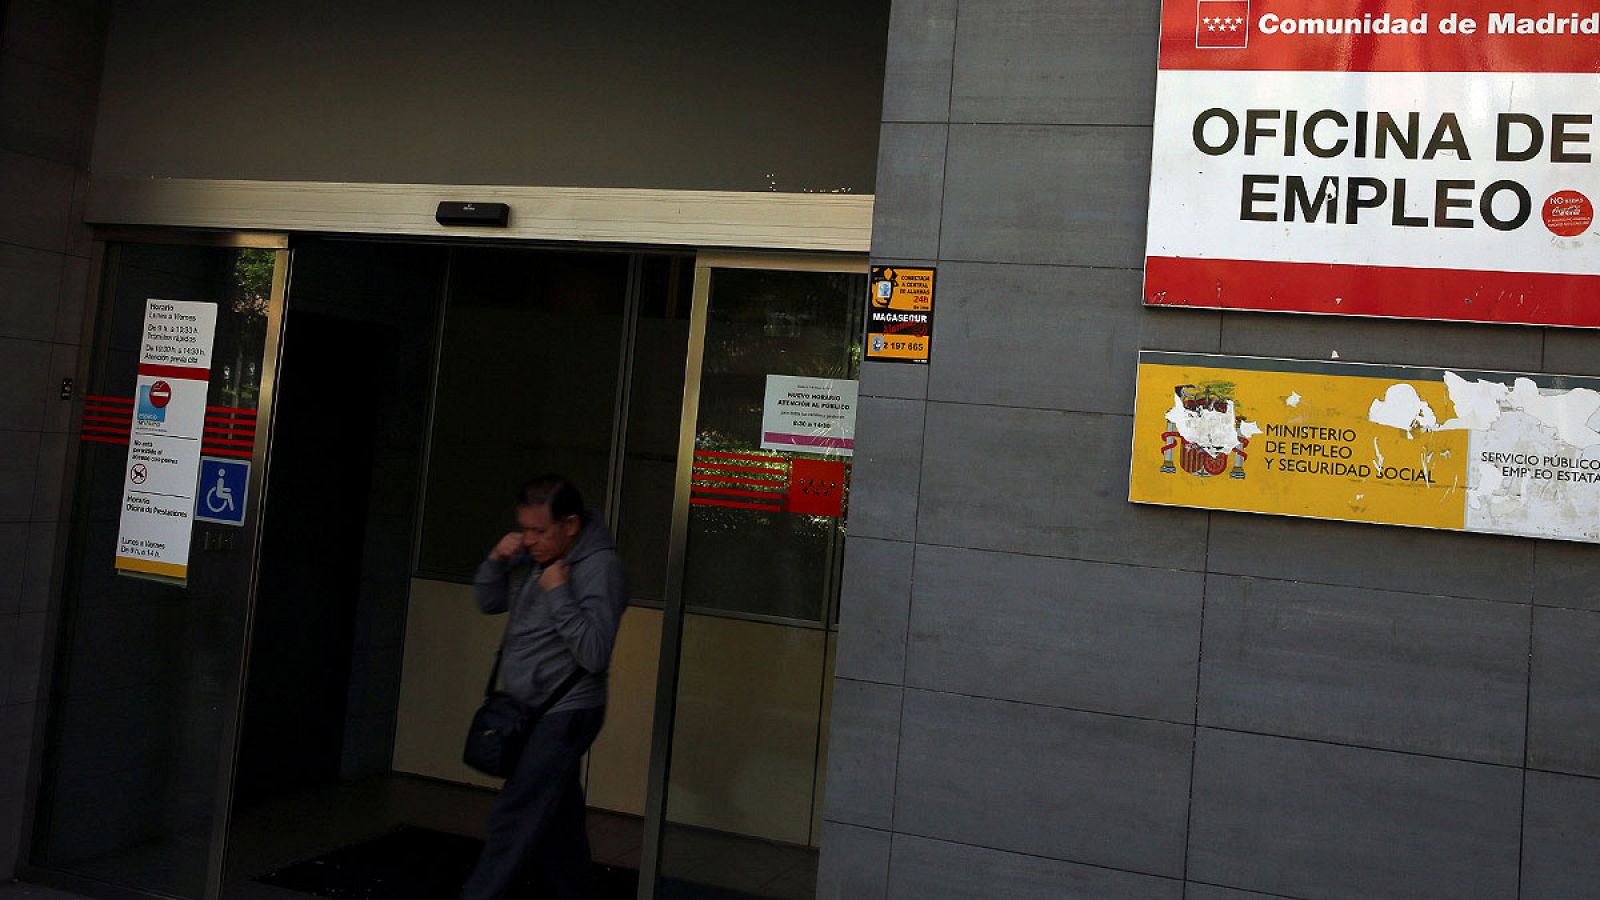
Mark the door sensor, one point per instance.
(492, 215)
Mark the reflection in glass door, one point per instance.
(758, 530)
(148, 668)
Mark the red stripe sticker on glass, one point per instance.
(738, 480)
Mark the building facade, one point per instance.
(1033, 687)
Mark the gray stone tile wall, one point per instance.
(1077, 352)
(1058, 632)
(922, 868)
(865, 730)
(1564, 698)
(1437, 675)
(1032, 779)
(1086, 208)
(992, 479)
(857, 862)
(914, 175)
(1024, 61)
(1458, 565)
(1309, 819)
(1561, 836)
(49, 79)
(876, 650)
(1097, 699)
(921, 35)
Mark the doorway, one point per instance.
(488, 365)
(144, 689)
(761, 505)
(318, 712)
(296, 691)
(407, 410)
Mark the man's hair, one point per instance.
(553, 492)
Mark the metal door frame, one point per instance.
(95, 336)
(671, 647)
(674, 607)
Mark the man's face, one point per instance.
(544, 539)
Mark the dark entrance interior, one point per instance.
(297, 694)
(414, 393)
(317, 722)
(416, 385)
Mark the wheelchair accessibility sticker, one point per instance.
(219, 497)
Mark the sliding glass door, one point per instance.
(747, 670)
(162, 552)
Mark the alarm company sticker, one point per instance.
(900, 315)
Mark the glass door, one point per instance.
(169, 472)
(748, 638)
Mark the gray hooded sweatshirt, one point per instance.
(550, 633)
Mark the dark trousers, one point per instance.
(537, 824)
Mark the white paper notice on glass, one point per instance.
(169, 414)
(809, 415)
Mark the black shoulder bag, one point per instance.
(502, 724)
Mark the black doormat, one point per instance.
(411, 863)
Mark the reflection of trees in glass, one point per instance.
(756, 561)
(791, 323)
(242, 328)
(720, 520)
(762, 323)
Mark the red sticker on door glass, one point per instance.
(816, 487)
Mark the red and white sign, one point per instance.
(165, 438)
(1411, 159)
(1222, 23)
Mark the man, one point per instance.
(563, 618)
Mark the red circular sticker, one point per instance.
(1568, 213)
(160, 394)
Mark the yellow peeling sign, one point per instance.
(1465, 450)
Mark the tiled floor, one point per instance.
(34, 892)
(309, 823)
(752, 867)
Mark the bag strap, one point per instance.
(559, 692)
(555, 696)
(494, 673)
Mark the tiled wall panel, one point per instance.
(1044, 482)
(1376, 707)
(49, 78)
(1319, 820)
(1564, 700)
(1428, 674)
(1087, 788)
(1089, 62)
(922, 867)
(1082, 635)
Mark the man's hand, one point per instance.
(554, 575)
(508, 547)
